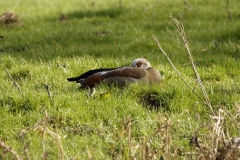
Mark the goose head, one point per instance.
(141, 63)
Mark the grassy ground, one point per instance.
(51, 118)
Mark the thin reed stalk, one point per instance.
(14, 82)
(180, 28)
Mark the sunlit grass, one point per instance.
(42, 51)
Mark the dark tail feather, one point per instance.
(73, 79)
(88, 73)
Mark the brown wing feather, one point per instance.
(92, 80)
(131, 72)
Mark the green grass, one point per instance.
(41, 50)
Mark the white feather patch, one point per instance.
(103, 72)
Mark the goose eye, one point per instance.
(139, 64)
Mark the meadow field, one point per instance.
(43, 116)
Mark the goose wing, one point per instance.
(89, 73)
(119, 76)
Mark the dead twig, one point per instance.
(128, 128)
(165, 54)
(180, 29)
(42, 126)
(14, 82)
(9, 149)
(49, 92)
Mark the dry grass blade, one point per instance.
(9, 149)
(49, 92)
(218, 145)
(42, 127)
(43, 132)
(165, 54)
(180, 29)
(164, 130)
(89, 156)
(16, 4)
(129, 135)
(14, 82)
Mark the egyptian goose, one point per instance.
(139, 71)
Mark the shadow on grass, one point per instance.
(60, 40)
(154, 100)
(110, 12)
(233, 35)
(15, 106)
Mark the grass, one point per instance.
(62, 122)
